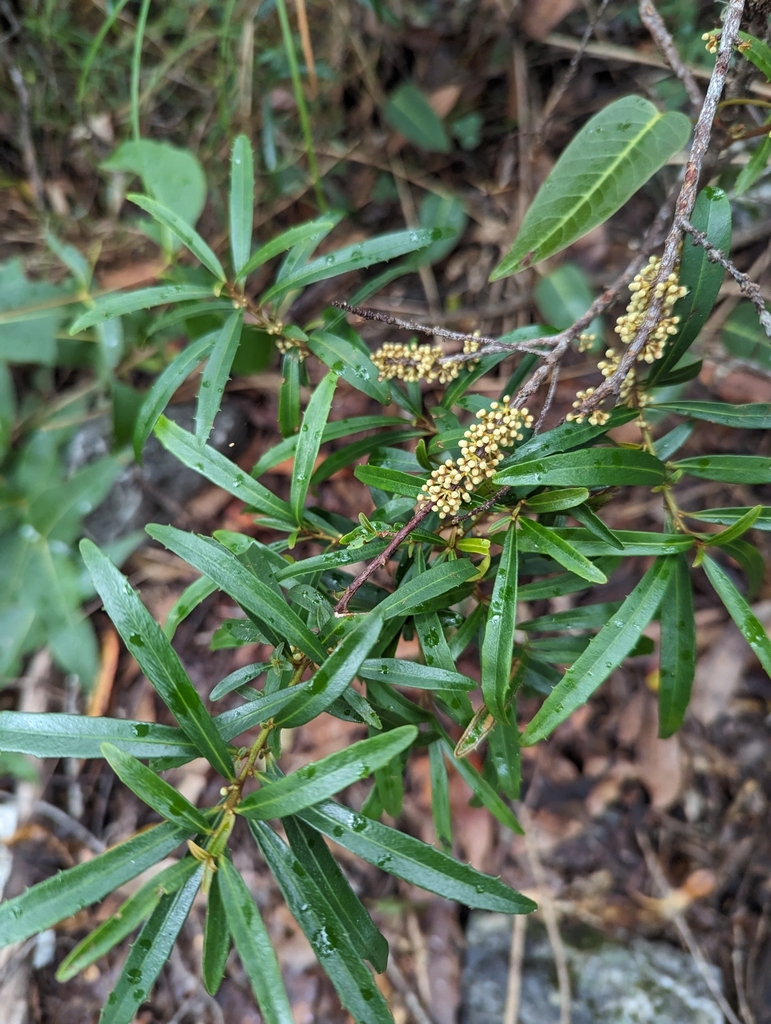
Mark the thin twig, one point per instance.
(746, 284)
(611, 386)
(411, 1001)
(653, 21)
(555, 375)
(516, 956)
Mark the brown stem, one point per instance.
(653, 21)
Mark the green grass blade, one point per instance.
(119, 304)
(498, 643)
(678, 649)
(547, 542)
(241, 202)
(749, 626)
(309, 442)
(184, 232)
(216, 375)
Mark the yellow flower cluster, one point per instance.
(415, 362)
(627, 326)
(284, 345)
(711, 40)
(452, 483)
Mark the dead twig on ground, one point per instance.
(653, 21)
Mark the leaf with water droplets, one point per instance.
(121, 303)
(184, 232)
(548, 542)
(216, 939)
(216, 375)
(241, 206)
(677, 662)
(590, 467)
(749, 625)
(498, 643)
(309, 442)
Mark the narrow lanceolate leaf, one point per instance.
(350, 362)
(322, 779)
(412, 674)
(309, 442)
(143, 298)
(594, 467)
(605, 652)
(547, 542)
(557, 501)
(179, 227)
(733, 532)
(159, 395)
(57, 735)
(498, 643)
(749, 626)
(758, 52)
(334, 675)
(729, 516)
(358, 256)
(216, 376)
(154, 791)
(610, 158)
(149, 953)
(219, 470)
(440, 796)
(253, 945)
(435, 581)
(129, 916)
(594, 525)
(241, 202)
(156, 657)
(752, 416)
(188, 601)
(313, 854)
(289, 394)
(216, 939)
(678, 649)
(481, 789)
(220, 565)
(416, 862)
(285, 241)
(67, 892)
(732, 469)
(330, 941)
(391, 480)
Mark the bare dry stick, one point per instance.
(652, 20)
(746, 284)
(514, 984)
(611, 386)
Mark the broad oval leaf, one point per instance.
(58, 735)
(605, 652)
(498, 642)
(732, 469)
(309, 442)
(157, 658)
(398, 672)
(109, 306)
(184, 232)
(677, 663)
(610, 158)
(591, 467)
(241, 202)
(749, 626)
(216, 375)
(549, 542)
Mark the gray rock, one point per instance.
(638, 983)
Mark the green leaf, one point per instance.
(351, 363)
(219, 470)
(7, 408)
(634, 542)
(732, 469)
(309, 442)
(154, 791)
(751, 561)
(733, 532)
(610, 158)
(504, 754)
(358, 256)
(216, 936)
(392, 481)
(498, 642)
(190, 598)
(253, 945)
(314, 230)
(587, 616)
(749, 626)
(564, 295)
(332, 432)
(44, 905)
(482, 789)
(289, 394)
(182, 229)
(322, 779)
(729, 516)
(330, 560)
(435, 581)
(313, 854)
(702, 278)
(159, 395)
(412, 674)
(753, 169)
(334, 675)
(596, 527)
(347, 456)
(239, 678)
(678, 649)
(172, 175)
(572, 435)
(672, 442)
(593, 467)
(241, 202)
(405, 857)
(119, 304)
(605, 652)
(440, 796)
(549, 542)
(149, 953)
(409, 113)
(757, 52)
(223, 568)
(437, 655)
(156, 657)
(753, 416)
(557, 501)
(59, 735)
(216, 376)
(328, 937)
(129, 916)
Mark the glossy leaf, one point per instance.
(568, 436)
(557, 501)
(239, 678)
(322, 779)
(160, 394)
(549, 542)
(435, 581)
(405, 857)
(586, 616)
(482, 789)
(59, 735)
(610, 158)
(504, 752)
(190, 598)
(733, 532)
(313, 231)
(672, 442)
(440, 796)
(328, 938)
(330, 560)
(498, 642)
(393, 481)
(44, 905)
(149, 953)
(732, 469)
(309, 442)
(635, 542)
(154, 791)
(216, 939)
(121, 303)
(253, 946)
(749, 626)
(241, 205)
(289, 394)
(758, 52)
(353, 365)
(156, 657)
(678, 649)
(751, 561)
(594, 525)
(605, 652)
(332, 432)
(347, 456)
(410, 113)
(594, 467)
(183, 231)
(216, 375)
(752, 416)
(398, 672)
(437, 654)
(729, 516)
(313, 854)
(755, 166)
